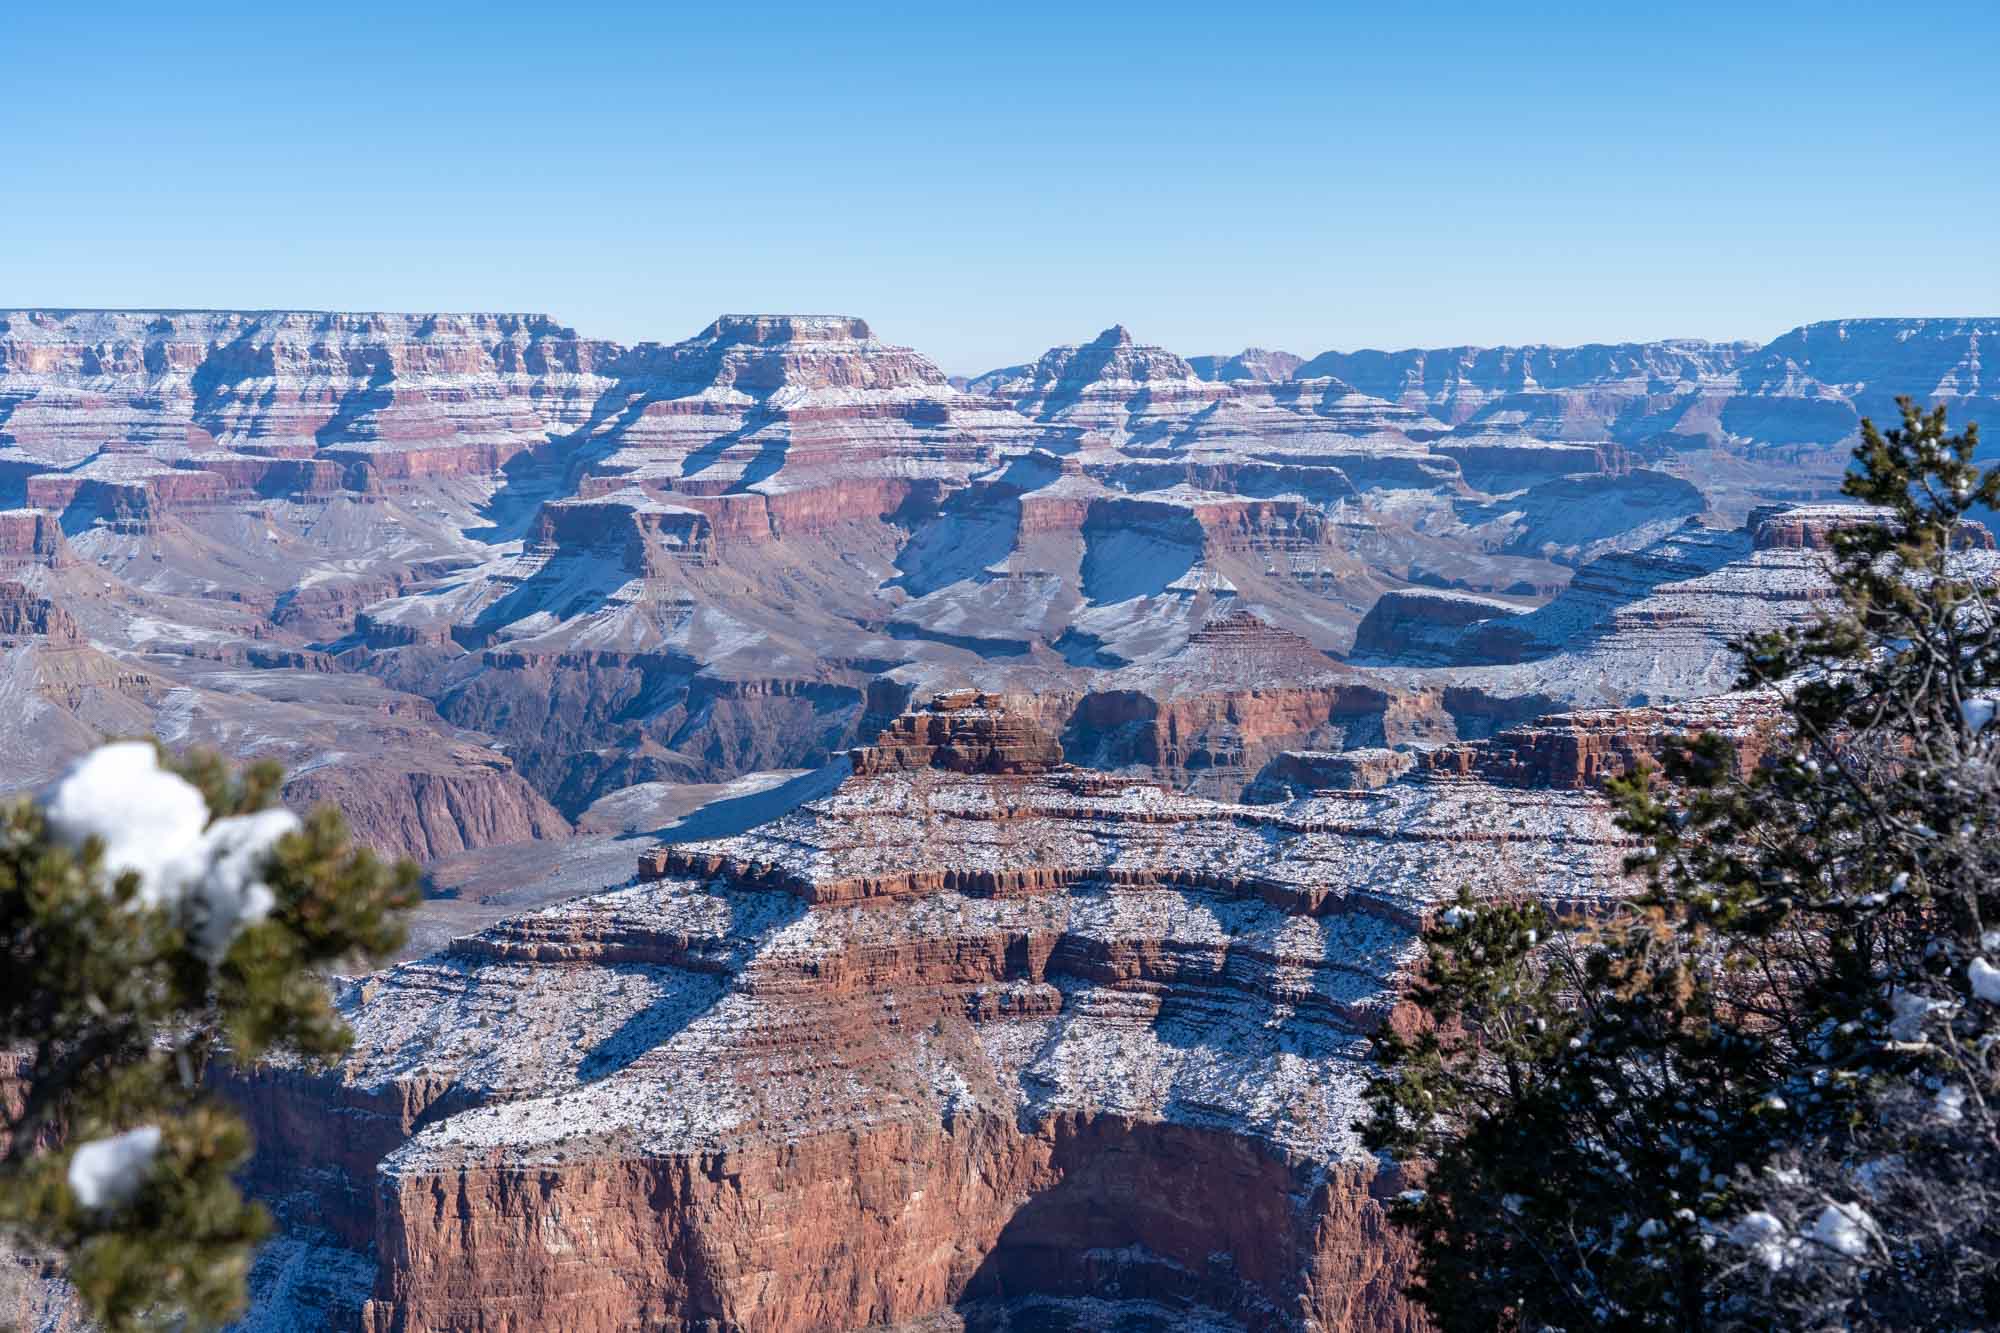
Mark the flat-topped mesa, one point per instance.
(786, 426)
(644, 535)
(787, 328)
(284, 402)
(963, 731)
(1811, 526)
(1296, 773)
(749, 357)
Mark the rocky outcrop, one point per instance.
(643, 536)
(1304, 772)
(1252, 363)
(33, 537)
(24, 616)
(1111, 388)
(1209, 717)
(807, 422)
(940, 1044)
(426, 814)
(1791, 527)
(399, 396)
(1424, 624)
(1809, 387)
(1582, 749)
(962, 732)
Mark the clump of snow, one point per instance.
(1911, 1010)
(1454, 917)
(154, 825)
(1977, 713)
(1950, 1105)
(149, 820)
(1844, 1228)
(226, 892)
(1764, 1236)
(106, 1173)
(1985, 979)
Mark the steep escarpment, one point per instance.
(33, 537)
(1808, 388)
(1583, 748)
(950, 1042)
(426, 814)
(230, 406)
(681, 562)
(1243, 690)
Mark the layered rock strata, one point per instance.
(948, 1043)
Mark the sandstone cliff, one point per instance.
(944, 1044)
(425, 814)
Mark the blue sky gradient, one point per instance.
(981, 182)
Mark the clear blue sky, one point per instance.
(983, 181)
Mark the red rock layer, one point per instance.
(426, 815)
(940, 1039)
(33, 537)
(1584, 748)
(963, 732)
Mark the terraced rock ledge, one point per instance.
(976, 1033)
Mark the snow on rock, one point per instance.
(969, 962)
(1909, 1011)
(1985, 979)
(107, 1173)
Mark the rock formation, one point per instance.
(942, 1044)
(680, 562)
(1809, 387)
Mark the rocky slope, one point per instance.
(952, 1041)
(680, 562)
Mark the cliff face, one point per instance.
(1584, 748)
(1242, 691)
(33, 537)
(679, 562)
(944, 1044)
(1809, 387)
(426, 815)
(402, 395)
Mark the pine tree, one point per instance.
(160, 916)
(1761, 1092)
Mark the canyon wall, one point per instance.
(976, 1033)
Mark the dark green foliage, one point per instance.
(115, 1020)
(1782, 1022)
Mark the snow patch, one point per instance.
(106, 1173)
(1844, 1228)
(154, 824)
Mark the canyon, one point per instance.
(877, 822)
(916, 1049)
